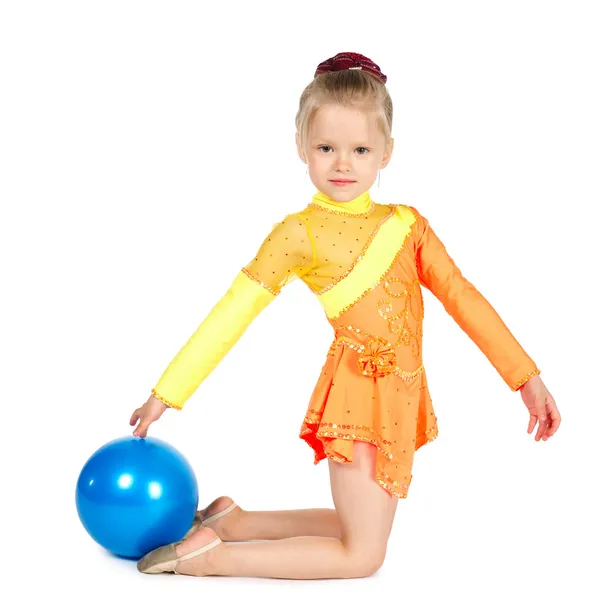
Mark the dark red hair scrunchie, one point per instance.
(350, 60)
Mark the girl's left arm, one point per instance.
(469, 308)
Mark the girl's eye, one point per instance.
(359, 148)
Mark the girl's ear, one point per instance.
(388, 154)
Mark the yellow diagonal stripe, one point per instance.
(375, 262)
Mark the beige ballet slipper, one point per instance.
(199, 522)
(164, 559)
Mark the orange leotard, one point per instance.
(366, 263)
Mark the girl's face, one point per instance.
(344, 143)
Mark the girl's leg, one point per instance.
(241, 525)
(366, 512)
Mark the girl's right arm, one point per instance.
(285, 254)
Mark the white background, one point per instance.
(147, 148)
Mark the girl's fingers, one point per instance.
(547, 418)
(554, 417)
(555, 424)
(545, 429)
(142, 429)
(145, 420)
(134, 416)
(543, 417)
(541, 428)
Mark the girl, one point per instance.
(370, 409)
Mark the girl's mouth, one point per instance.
(341, 182)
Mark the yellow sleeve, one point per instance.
(468, 307)
(285, 254)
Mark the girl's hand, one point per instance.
(151, 411)
(541, 406)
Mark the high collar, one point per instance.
(359, 205)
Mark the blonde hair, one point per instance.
(349, 88)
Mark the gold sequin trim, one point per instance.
(364, 428)
(359, 257)
(344, 213)
(326, 430)
(244, 270)
(165, 401)
(399, 323)
(431, 434)
(381, 278)
(395, 483)
(354, 436)
(315, 412)
(353, 328)
(335, 458)
(391, 489)
(525, 379)
(407, 376)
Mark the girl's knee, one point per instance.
(366, 561)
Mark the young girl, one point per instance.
(370, 409)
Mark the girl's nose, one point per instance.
(343, 163)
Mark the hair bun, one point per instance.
(350, 60)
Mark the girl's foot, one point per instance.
(193, 556)
(220, 515)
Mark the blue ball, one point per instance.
(136, 494)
